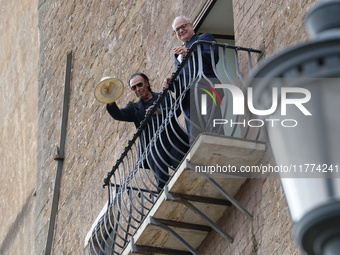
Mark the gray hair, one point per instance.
(185, 17)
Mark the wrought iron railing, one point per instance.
(165, 136)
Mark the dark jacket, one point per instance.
(135, 112)
(132, 112)
(206, 56)
(191, 68)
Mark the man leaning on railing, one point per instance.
(195, 76)
(171, 143)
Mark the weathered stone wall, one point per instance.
(268, 233)
(18, 126)
(270, 25)
(107, 38)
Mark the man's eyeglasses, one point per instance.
(135, 86)
(180, 27)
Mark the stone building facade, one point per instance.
(19, 49)
(111, 38)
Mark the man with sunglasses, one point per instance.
(184, 30)
(163, 153)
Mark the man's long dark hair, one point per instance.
(143, 76)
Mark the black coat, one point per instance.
(206, 55)
(135, 112)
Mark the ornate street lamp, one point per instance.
(300, 89)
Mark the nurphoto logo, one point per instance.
(280, 98)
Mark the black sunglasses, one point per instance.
(138, 84)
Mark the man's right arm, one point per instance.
(124, 114)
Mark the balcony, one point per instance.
(181, 170)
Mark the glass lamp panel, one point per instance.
(311, 149)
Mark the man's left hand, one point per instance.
(180, 50)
